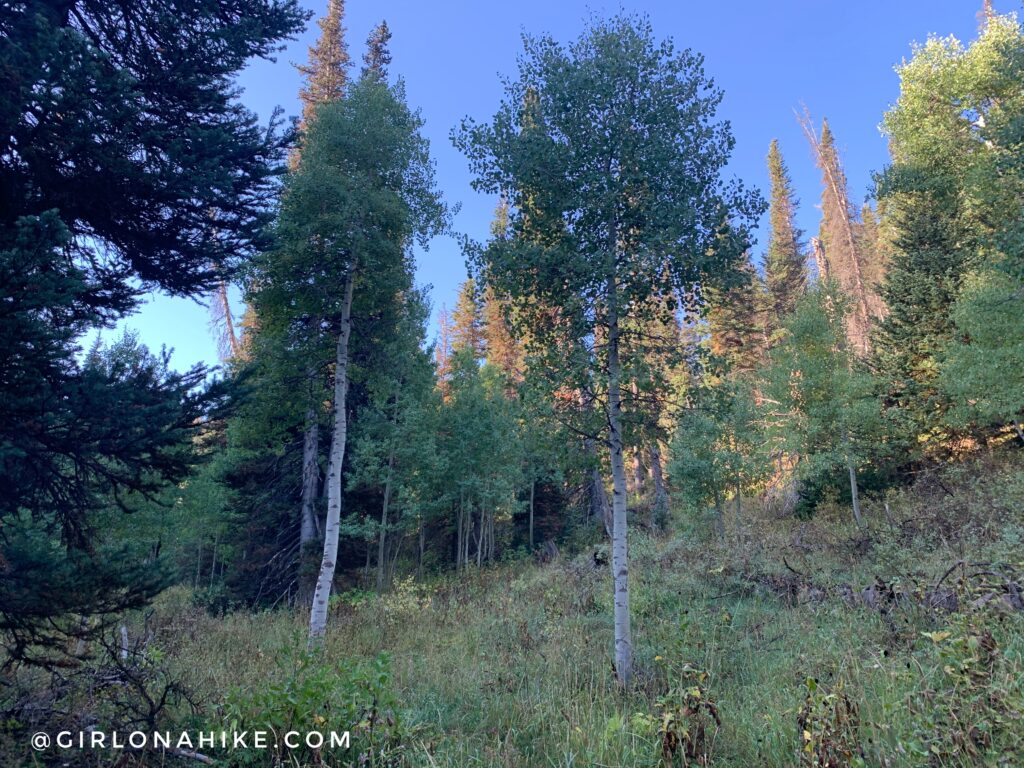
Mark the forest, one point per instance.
(673, 483)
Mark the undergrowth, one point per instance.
(789, 643)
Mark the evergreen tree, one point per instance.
(126, 166)
(467, 322)
(326, 74)
(714, 450)
(357, 199)
(736, 322)
(377, 56)
(785, 266)
(980, 374)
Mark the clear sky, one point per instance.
(837, 57)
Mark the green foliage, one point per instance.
(310, 695)
(715, 452)
(688, 721)
(124, 119)
(829, 723)
(822, 407)
(970, 713)
(128, 166)
(646, 224)
(952, 194)
(785, 265)
(980, 369)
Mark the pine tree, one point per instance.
(784, 264)
(503, 349)
(364, 161)
(736, 323)
(127, 167)
(443, 350)
(326, 74)
(378, 56)
(467, 323)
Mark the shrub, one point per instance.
(314, 695)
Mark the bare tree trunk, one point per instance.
(739, 505)
(533, 485)
(719, 515)
(384, 521)
(829, 167)
(480, 537)
(230, 346)
(658, 478)
(309, 525)
(318, 613)
(458, 536)
(213, 563)
(199, 564)
(393, 560)
(639, 476)
(620, 553)
(853, 492)
(423, 545)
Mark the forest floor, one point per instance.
(789, 643)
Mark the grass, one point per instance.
(511, 665)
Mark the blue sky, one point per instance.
(835, 56)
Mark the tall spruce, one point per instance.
(467, 321)
(362, 193)
(736, 322)
(326, 74)
(126, 166)
(785, 267)
(378, 55)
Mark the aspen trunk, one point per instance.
(719, 515)
(332, 530)
(739, 505)
(853, 493)
(620, 553)
(423, 544)
(458, 537)
(639, 476)
(658, 478)
(533, 485)
(381, 539)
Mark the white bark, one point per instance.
(318, 612)
(853, 493)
